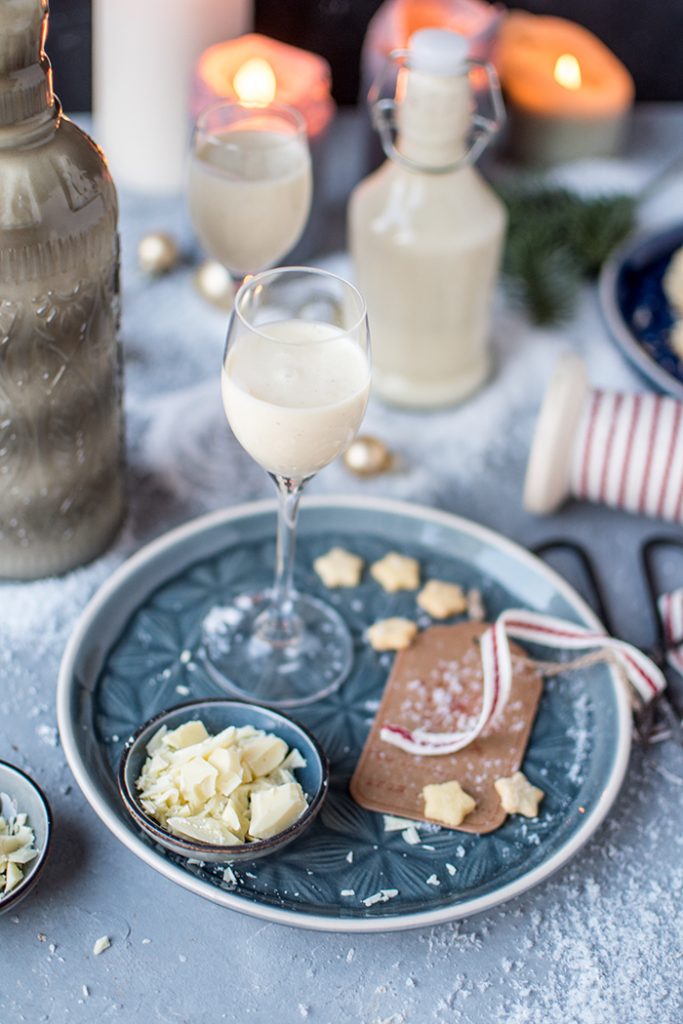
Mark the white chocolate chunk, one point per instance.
(392, 634)
(339, 568)
(186, 735)
(396, 572)
(228, 764)
(294, 759)
(394, 824)
(447, 803)
(264, 753)
(676, 338)
(13, 876)
(274, 810)
(101, 945)
(475, 605)
(440, 599)
(518, 795)
(204, 830)
(198, 781)
(16, 848)
(672, 281)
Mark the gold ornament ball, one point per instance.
(213, 281)
(157, 253)
(368, 456)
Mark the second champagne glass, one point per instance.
(250, 184)
(296, 378)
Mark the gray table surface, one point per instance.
(601, 942)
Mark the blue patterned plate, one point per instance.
(134, 651)
(636, 309)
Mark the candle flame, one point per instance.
(567, 72)
(255, 82)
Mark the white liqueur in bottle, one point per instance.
(426, 231)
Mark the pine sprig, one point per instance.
(555, 240)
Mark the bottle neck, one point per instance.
(434, 117)
(26, 95)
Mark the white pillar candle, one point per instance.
(144, 53)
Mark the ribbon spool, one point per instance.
(621, 450)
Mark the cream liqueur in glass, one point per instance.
(295, 384)
(249, 185)
(295, 395)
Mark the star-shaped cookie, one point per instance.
(339, 568)
(440, 599)
(392, 634)
(518, 796)
(396, 572)
(447, 802)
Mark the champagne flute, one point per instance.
(295, 384)
(250, 183)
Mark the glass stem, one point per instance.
(283, 619)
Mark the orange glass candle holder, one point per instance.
(256, 69)
(567, 95)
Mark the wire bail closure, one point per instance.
(384, 119)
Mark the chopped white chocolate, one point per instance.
(16, 847)
(218, 789)
(380, 897)
(186, 735)
(394, 824)
(275, 809)
(263, 754)
(396, 572)
(676, 338)
(440, 599)
(475, 605)
(339, 568)
(672, 281)
(392, 634)
(447, 803)
(101, 944)
(518, 795)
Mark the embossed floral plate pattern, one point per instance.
(136, 652)
(637, 310)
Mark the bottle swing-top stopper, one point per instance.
(621, 450)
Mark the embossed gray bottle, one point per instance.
(61, 426)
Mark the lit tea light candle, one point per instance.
(255, 82)
(567, 95)
(256, 69)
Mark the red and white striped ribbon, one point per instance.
(643, 675)
(671, 614)
(629, 454)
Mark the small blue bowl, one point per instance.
(29, 799)
(216, 715)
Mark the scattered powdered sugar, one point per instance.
(600, 943)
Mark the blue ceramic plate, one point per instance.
(134, 653)
(636, 309)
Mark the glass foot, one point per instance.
(248, 653)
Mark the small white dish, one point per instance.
(29, 799)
